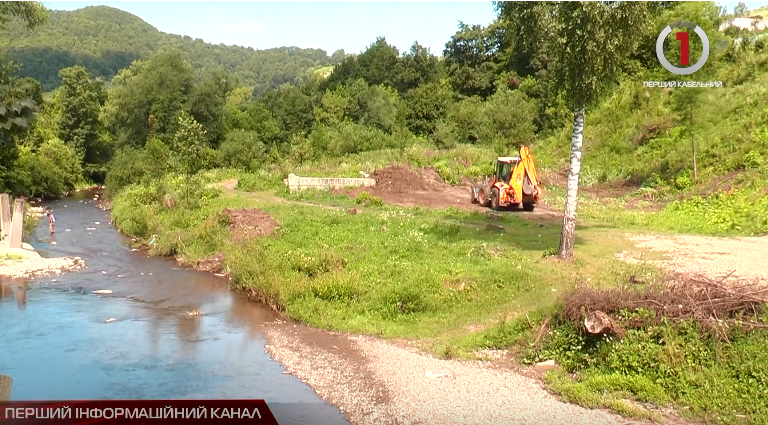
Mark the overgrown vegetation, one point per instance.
(679, 345)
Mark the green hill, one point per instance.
(105, 40)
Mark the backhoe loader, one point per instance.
(514, 183)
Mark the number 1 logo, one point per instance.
(685, 54)
(683, 38)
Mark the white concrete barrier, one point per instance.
(296, 183)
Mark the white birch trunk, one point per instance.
(568, 235)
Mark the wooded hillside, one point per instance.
(105, 40)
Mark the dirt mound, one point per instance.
(246, 224)
(401, 178)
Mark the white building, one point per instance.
(749, 24)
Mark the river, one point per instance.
(57, 344)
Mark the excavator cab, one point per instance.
(504, 167)
(515, 182)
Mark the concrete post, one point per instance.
(17, 225)
(5, 216)
(6, 382)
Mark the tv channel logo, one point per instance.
(685, 54)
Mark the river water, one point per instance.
(56, 343)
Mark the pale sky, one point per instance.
(327, 25)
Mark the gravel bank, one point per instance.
(378, 382)
(38, 266)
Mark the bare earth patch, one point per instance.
(710, 256)
(246, 224)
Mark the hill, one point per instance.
(105, 40)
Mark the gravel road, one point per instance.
(381, 382)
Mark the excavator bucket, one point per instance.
(531, 186)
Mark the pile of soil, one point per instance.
(251, 223)
(399, 179)
(401, 185)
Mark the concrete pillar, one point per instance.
(6, 382)
(17, 225)
(5, 216)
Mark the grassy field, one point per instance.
(458, 284)
(388, 271)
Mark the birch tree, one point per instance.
(587, 43)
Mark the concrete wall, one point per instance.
(296, 183)
(5, 216)
(17, 224)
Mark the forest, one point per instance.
(105, 40)
(492, 87)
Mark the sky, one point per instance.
(327, 25)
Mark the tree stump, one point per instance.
(599, 323)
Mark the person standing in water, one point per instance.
(51, 220)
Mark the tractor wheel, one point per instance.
(484, 201)
(528, 206)
(495, 199)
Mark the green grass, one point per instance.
(11, 257)
(388, 271)
(676, 365)
(741, 212)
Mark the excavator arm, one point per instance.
(525, 181)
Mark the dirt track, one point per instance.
(381, 382)
(713, 257)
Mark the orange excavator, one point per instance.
(514, 183)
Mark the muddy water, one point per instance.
(56, 343)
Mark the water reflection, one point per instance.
(16, 289)
(21, 297)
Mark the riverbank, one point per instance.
(375, 381)
(428, 281)
(26, 262)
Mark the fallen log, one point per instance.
(599, 323)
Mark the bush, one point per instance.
(51, 171)
(243, 150)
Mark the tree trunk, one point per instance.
(693, 148)
(568, 234)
